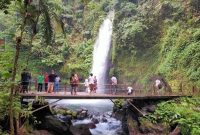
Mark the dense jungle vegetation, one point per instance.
(150, 37)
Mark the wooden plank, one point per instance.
(83, 95)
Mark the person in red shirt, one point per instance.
(46, 80)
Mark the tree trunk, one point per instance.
(13, 87)
(17, 126)
(14, 71)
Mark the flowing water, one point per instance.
(99, 108)
(101, 51)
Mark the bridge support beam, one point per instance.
(143, 114)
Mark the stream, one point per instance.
(98, 109)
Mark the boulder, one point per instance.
(55, 126)
(91, 125)
(49, 122)
(82, 115)
(79, 111)
(80, 129)
(67, 119)
(176, 131)
(95, 121)
(104, 120)
(151, 108)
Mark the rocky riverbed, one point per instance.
(79, 120)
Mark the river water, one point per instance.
(100, 109)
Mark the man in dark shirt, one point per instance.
(52, 78)
(25, 79)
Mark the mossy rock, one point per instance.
(69, 112)
(148, 127)
(74, 114)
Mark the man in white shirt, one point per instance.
(113, 84)
(157, 83)
(130, 90)
(157, 86)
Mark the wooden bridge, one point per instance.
(64, 93)
(84, 95)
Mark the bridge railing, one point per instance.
(181, 89)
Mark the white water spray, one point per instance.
(101, 51)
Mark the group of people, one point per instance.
(50, 82)
(91, 84)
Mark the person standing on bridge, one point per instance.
(40, 81)
(57, 83)
(87, 86)
(52, 78)
(91, 82)
(74, 83)
(113, 85)
(25, 79)
(157, 86)
(95, 84)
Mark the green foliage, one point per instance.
(118, 103)
(157, 37)
(81, 61)
(183, 112)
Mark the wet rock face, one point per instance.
(80, 129)
(54, 125)
(47, 121)
(133, 123)
(146, 127)
(149, 108)
(82, 113)
(176, 131)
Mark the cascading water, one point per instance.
(101, 107)
(101, 51)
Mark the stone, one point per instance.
(176, 131)
(104, 120)
(79, 111)
(91, 125)
(95, 121)
(80, 129)
(83, 114)
(151, 108)
(52, 124)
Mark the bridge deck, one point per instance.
(83, 95)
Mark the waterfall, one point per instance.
(101, 51)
